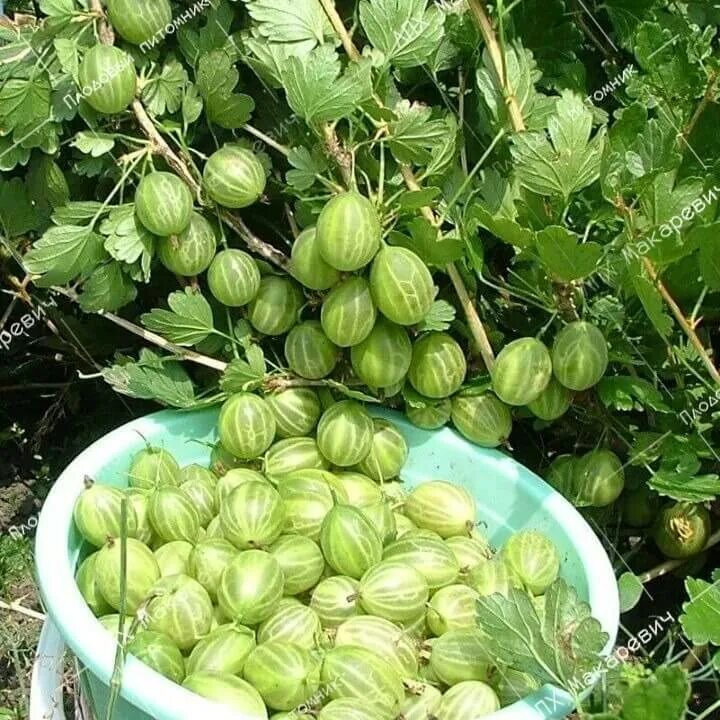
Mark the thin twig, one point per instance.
(19, 290)
(688, 329)
(160, 146)
(258, 246)
(669, 565)
(16, 607)
(476, 326)
(34, 386)
(339, 28)
(181, 352)
(282, 149)
(694, 657)
(482, 19)
(702, 106)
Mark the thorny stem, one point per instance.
(8, 312)
(687, 327)
(339, 154)
(105, 30)
(702, 106)
(258, 246)
(694, 657)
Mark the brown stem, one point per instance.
(161, 342)
(20, 289)
(339, 28)
(160, 146)
(476, 327)
(702, 106)
(687, 327)
(339, 154)
(105, 30)
(258, 246)
(694, 657)
(482, 18)
(16, 607)
(181, 352)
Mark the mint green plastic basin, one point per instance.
(509, 498)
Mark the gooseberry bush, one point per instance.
(501, 218)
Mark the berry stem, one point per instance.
(182, 353)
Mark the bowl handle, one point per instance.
(46, 690)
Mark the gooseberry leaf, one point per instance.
(700, 619)
(164, 92)
(213, 35)
(108, 288)
(300, 22)
(503, 228)
(565, 258)
(63, 253)
(565, 160)
(319, 91)
(414, 134)
(17, 212)
(407, 32)
(557, 649)
(241, 376)
(685, 486)
(349, 392)
(153, 377)
(426, 242)
(416, 199)
(522, 74)
(188, 322)
(629, 393)
(631, 590)
(662, 696)
(307, 166)
(636, 151)
(127, 239)
(652, 302)
(216, 81)
(93, 144)
(25, 104)
(439, 319)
